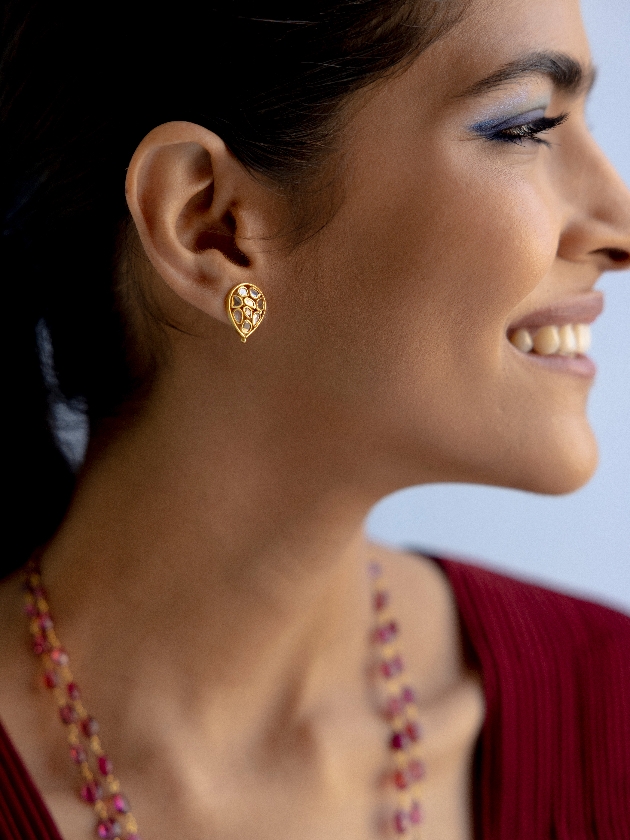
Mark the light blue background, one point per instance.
(578, 543)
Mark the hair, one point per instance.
(80, 86)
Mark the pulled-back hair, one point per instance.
(80, 85)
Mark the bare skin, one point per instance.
(209, 579)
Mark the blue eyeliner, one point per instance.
(489, 126)
(528, 125)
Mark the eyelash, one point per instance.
(528, 131)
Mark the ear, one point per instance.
(195, 209)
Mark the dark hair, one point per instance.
(80, 85)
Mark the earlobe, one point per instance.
(182, 189)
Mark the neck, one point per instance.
(228, 575)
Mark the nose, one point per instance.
(598, 229)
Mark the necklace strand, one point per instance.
(101, 789)
(400, 708)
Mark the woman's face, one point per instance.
(459, 222)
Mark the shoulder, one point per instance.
(521, 631)
(556, 677)
(497, 605)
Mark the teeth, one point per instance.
(547, 341)
(583, 337)
(567, 340)
(522, 340)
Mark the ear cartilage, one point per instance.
(246, 307)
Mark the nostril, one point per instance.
(618, 255)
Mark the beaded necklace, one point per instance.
(401, 710)
(101, 789)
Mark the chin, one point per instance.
(565, 469)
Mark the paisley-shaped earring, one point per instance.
(246, 307)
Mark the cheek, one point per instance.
(448, 248)
(421, 272)
(484, 237)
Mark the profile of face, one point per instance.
(473, 201)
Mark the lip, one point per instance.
(579, 310)
(582, 366)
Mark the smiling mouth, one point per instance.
(553, 340)
(558, 337)
(559, 330)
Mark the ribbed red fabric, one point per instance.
(554, 752)
(23, 814)
(553, 758)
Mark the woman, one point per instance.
(412, 190)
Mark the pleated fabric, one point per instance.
(23, 814)
(553, 757)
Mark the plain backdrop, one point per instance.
(578, 543)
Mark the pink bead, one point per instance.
(398, 741)
(77, 754)
(412, 730)
(51, 680)
(415, 813)
(108, 830)
(91, 791)
(68, 713)
(73, 691)
(30, 609)
(380, 635)
(59, 656)
(393, 707)
(41, 645)
(375, 570)
(104, 765)
(415, 769)
(400, 779)
(400, 822)
(44, 622)
(392, 667)
(408, 694)
(89, 727)
(386, 633)
(120, 803)
(381, 599)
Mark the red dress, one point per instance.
(553, 757)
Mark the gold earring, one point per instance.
(246, 307)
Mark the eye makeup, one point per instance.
(485, 127)
(518, 128)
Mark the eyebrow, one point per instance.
(567, 74)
